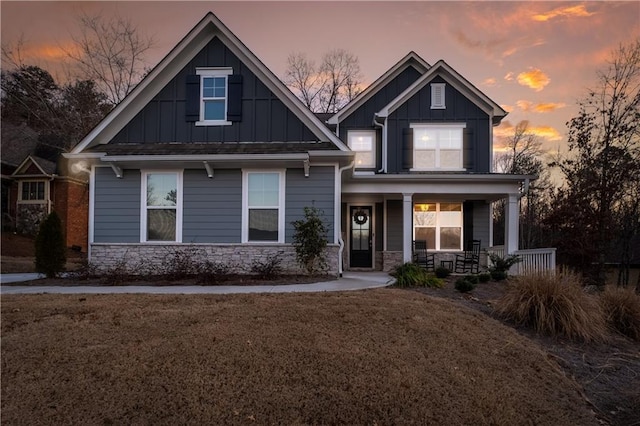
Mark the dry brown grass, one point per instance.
(621, 307)
(376, 357)
(554, 305)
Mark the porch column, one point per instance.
(511, 224)
(407, 232)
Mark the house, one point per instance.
(212, 151)
(35, 182)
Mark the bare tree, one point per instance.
(13, 53)
(110, 51)
(327, 87)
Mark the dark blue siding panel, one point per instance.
(459, 109)
(212, 207)
(116, 206)
(317, 190)
(394, 225)
(257, 121)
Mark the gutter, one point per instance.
(383, 127)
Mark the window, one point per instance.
(437, 96)
(32, 191)
(439, 224)
(437, 146)
(213, 95)
(162, 206)
(363, 143)
(263, 206)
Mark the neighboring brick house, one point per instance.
(32, 187)
(211, 150)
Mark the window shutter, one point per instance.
(467, 149)
(234, 102)
(467, 224)
(192, 107)
(407, 148)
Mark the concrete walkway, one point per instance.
(349, 281)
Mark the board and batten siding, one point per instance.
(212, 207)
(264, 117)
(481, 218)
(116, 211)
(317, 190)
(394, 225)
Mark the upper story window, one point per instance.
(362, 142)
(161, 217)
(263, 206)
(213, 95)
(438, 146)
(437, 96)
(32, 191)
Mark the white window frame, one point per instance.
(281, 204)
(438, 96)
(45, 183)
(363, 133)
(144, 207)
(213, 72)
(438, 223)
(449, 126)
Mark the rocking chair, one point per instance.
(469, 261)
(421, 257)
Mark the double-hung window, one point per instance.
(161, 217)
(439, 224)
(32, 191)
(362, 142)
(263, 206)
(213, 95)
(438, 146)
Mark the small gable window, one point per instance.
(213, 96)
(438, 147)
(32, 191)
(437, 96)
(363, 143)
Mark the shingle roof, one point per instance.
(212, 148)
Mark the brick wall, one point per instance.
(71, 202)
(147, 258)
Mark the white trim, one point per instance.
(372, 230)
(438, 150)
(364, 133)
(45, 193)
(438, 96)
(92, 202)
(213, 72)
(281, 205)
(143, 204)
(438, 225)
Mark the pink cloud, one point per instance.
(534, 79)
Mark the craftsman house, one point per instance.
(212, 151)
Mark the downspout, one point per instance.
(49, 201)
(339, 222)
(383, 148)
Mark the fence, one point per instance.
(531, 260)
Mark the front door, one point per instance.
(360, 254)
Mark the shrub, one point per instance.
(473, 279)
(433, 281)
(310, 241)
(501, 265)
(442, 272)
(485, 277)
(212, 272)
(51, 254)
(621, 307)
(180, 263)
(498, 275)
(554, 305)
(409, 275)
(464, 286)
(268, 268)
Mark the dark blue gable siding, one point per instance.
(459, 109)
(265, 118)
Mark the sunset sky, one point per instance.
(535, 59)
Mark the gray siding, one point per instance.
(116, 206)
(212, 207)
(317, 190)
(459, 109)
(394, 225)
(264, 117)
(481, 213)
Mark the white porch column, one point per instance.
(407, 232)
(511, 224)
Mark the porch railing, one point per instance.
(531, 260)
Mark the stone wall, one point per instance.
(154, 258)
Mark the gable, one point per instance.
(34, 166)
(263, 118)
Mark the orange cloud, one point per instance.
(490, 82)
(571, 11)
(528, 106)
(503, 133)
(534, 79)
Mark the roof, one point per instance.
(46, 167)
(411, 59)
(444, 70)
(205, 31)
(211, 148)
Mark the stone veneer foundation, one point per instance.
(150, 258)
